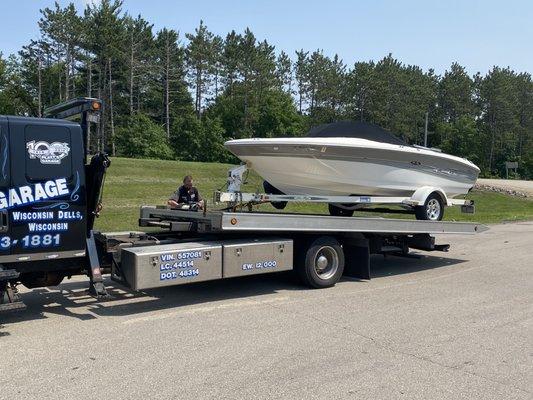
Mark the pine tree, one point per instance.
(170, 63)
(200, 60)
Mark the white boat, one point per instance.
(353, 159)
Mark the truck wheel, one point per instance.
(432, 210)
(321, 263)
(338, 211)
(269, 189)
(3, 293)
(34, 280)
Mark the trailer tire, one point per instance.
(320, 263)
(337, 211)
(432, 210)
(269, 189)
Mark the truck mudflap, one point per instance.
(96, 285)
(9, 298)
(426, 242)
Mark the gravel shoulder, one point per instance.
(525, 187)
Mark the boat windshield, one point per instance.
(361, 130)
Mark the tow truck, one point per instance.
(50, 195)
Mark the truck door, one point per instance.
(5, 241)
(47, 189)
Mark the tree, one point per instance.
(273, 115)
(359, 91)
(455, 94)
(107, 39)
(200, 58)
(139, 39)
(60, 28)
(13, 99)
(498, 100)
(301, 72)
(212, 141)
(327, 77)
(141, 137)
(32, 70)
(230, 59)
(209, 88)
(461, 138)
(170, 63)
(524, 132)
(284, 72)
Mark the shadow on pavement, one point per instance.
(72, 299)
(390, 265)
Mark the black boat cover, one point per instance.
(361, 130)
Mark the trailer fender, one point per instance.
(420, 196)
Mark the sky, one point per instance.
(430, 33)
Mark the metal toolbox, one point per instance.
(259, 256)
(171, 264)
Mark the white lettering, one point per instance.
(29, 194)
(32, 216)
(50, 189)
(39, 192)
(55, 226)
(62, 188)
(14, 199)
(25, 194)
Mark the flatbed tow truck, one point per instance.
(50, 196)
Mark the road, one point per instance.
(517, 185)
(451, 326)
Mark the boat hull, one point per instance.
(322, 168)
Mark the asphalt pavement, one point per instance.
(455, 325)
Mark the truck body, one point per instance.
(50, 195)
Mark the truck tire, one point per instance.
(320, 263)
(4, 299)
(432, 210)
(34, 280)
(337, 211)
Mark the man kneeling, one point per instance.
(186, 197)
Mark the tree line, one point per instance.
(173, 95)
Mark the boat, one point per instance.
(353, 159)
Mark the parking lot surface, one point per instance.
(455, 325)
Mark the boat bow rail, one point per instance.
(225, 221)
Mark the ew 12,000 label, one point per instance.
(260, 265)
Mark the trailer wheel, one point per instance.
(337, 211)
(321, 263)
(269, 189)
(432, 210)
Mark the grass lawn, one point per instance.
(132, 182)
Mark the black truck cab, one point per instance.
(48, 195)
(42, 190)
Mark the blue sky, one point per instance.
(477, 34)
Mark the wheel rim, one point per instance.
(326, 262)
(433, 209)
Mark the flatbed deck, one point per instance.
(225, 221)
